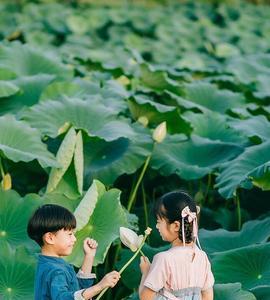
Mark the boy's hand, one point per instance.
(90, 247)
(110, 280)
(145, 264)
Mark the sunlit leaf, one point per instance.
(99, 227)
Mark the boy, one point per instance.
(52, 227)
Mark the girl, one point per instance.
(182, 272)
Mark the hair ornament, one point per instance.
(192, 217)
(186, 212)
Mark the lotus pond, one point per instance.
(82, 88)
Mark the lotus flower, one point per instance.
(160, 132)
(130, 238)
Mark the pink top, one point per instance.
(174, 270)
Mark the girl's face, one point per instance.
(167, 231)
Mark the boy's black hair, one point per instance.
(49, 218)
(170, 206)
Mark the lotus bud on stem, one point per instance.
(146, 233)
(160, 132)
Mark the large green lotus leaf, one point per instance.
(17, 269)
(60, 90)
(249, 265)
(131, 276)
(30, 89)
(15, 212)
(115, 59)
(157, 80)
(261, 292)
(101, 228)
(247, 68)
(231, 291)
(111, 93)
(91, 116)
(252, 163)
(7, 89)
(252, 232)
(254, 126)
(207, 96)
(20, 142)
(213, 126)
(192, 159)
(157, 113)
(108, 160)
(26, 61)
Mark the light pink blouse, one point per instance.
(174, 270)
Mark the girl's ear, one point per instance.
(48, 238)
(177, 226)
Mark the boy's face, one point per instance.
(62, 242)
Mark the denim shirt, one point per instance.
(56, 279)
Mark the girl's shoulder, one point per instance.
(178, 253)
(161, 255)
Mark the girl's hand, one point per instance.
(90, 247)
(109, 280)
(145, 265)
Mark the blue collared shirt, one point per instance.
(56, 279)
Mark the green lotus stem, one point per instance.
(145, 207)
(142, 253)
(208, 186)
(238, 211)
(134, 192)
(126, 265)
(1, 168)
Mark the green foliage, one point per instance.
(82, 87)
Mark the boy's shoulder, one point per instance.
(52, 264)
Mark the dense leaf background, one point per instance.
(82, 87)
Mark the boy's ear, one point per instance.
(48, 238)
